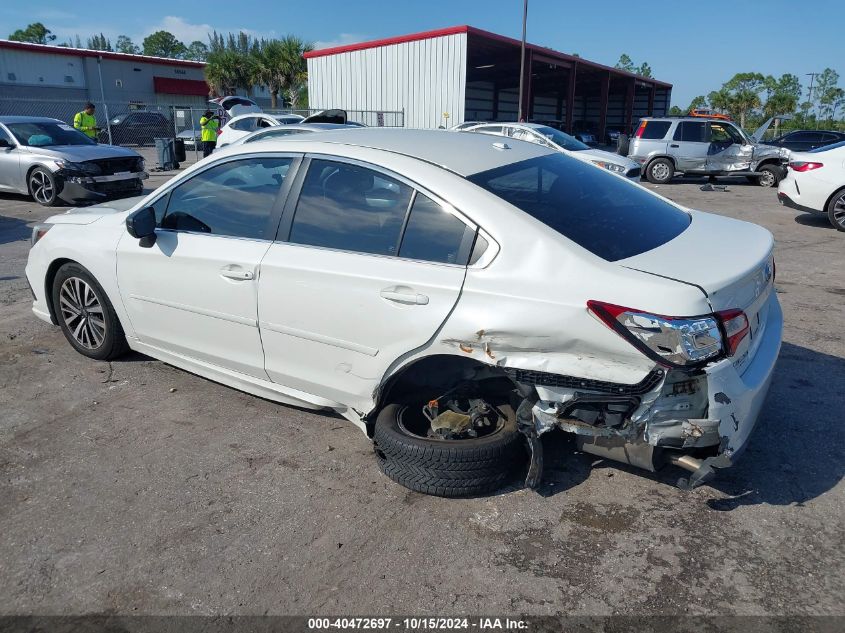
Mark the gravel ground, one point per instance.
(137, 488)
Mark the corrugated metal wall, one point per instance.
(24, 68)
(425, 78)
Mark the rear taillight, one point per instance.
(801, 165)
(673, 341)
(735, 325)
(640, 129)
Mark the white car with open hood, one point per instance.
(454, 295)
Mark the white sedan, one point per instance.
(453, 295)
(244, 124)
(815, 182)
(562, 142)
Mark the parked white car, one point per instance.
(282, 131)
(453, 295)
(815, 182)
(561, 141)
(245, 124)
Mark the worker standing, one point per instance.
(86, 122)
(209, 123)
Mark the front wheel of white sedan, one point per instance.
(836, 210)
(86, 315)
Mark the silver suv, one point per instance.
(695, 145)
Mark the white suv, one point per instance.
(453, 295)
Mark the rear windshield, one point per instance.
(603, 213)
(825, 148)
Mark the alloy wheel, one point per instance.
(839, 211)
(41, 187)
(82, 313)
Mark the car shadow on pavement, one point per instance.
(13, 230)
(816, 220)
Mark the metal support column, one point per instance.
(629, 106)
(603, 98)
(570, 98)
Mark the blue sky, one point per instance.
(696, 50)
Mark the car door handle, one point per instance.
(674, 145)
(239, 275)
(405, 296)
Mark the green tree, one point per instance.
(625, 63)
(126, 45)
(36, 33)
(270, 60)
(782, 95)
(698, 102)
(163, 44)
(744, 89)
(99, 43)
(828, 93)
(227, 70)
(720, 100)
(197, 51)
(295, 67)
(676, 111)
(643, 69)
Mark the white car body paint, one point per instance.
(323, 328)
(811, 190)
(229, 133)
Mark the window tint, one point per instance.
(655, 129)
(235, 199)
(350, 208)
(802, 137)
(433, 234)
(262, 123)
(600, 212)
(692, 131)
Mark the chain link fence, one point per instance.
(137, 125)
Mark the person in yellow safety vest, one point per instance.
(208, 128)
(86, 122)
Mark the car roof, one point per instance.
(28, 119)
(463, 154)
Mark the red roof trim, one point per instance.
(400, 39)
(453, 30)
(84, 52)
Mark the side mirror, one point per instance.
(5, 143)
(142, 225)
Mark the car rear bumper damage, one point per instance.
(698, 421)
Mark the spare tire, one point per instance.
(447, 468)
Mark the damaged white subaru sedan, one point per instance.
(454, 295)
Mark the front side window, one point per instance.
(434, 235)
(234, 199)
(350, 208)
(602, 213)
(724, 134)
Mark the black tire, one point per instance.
(836, 210)
(105, 337)
(771, 178)
(44, 187)
(444, 468)
(660, 171)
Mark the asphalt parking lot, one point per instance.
(135, 488)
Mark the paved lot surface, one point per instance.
(136, 488)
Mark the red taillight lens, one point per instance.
(735, 325)
(800, 165)
(672, 341)
(641, 129)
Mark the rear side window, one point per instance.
(602, 213)
(350, 208)
(435, 235)
(655, 129)
(690, 131)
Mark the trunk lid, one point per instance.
(730, 260)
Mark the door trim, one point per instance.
(319, 338)
(186, 308)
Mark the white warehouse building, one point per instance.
(444, 77)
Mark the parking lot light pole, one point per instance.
(522, 59)
(103, 97)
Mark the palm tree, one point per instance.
(269, 62)
(294, 70)
(228, 70)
